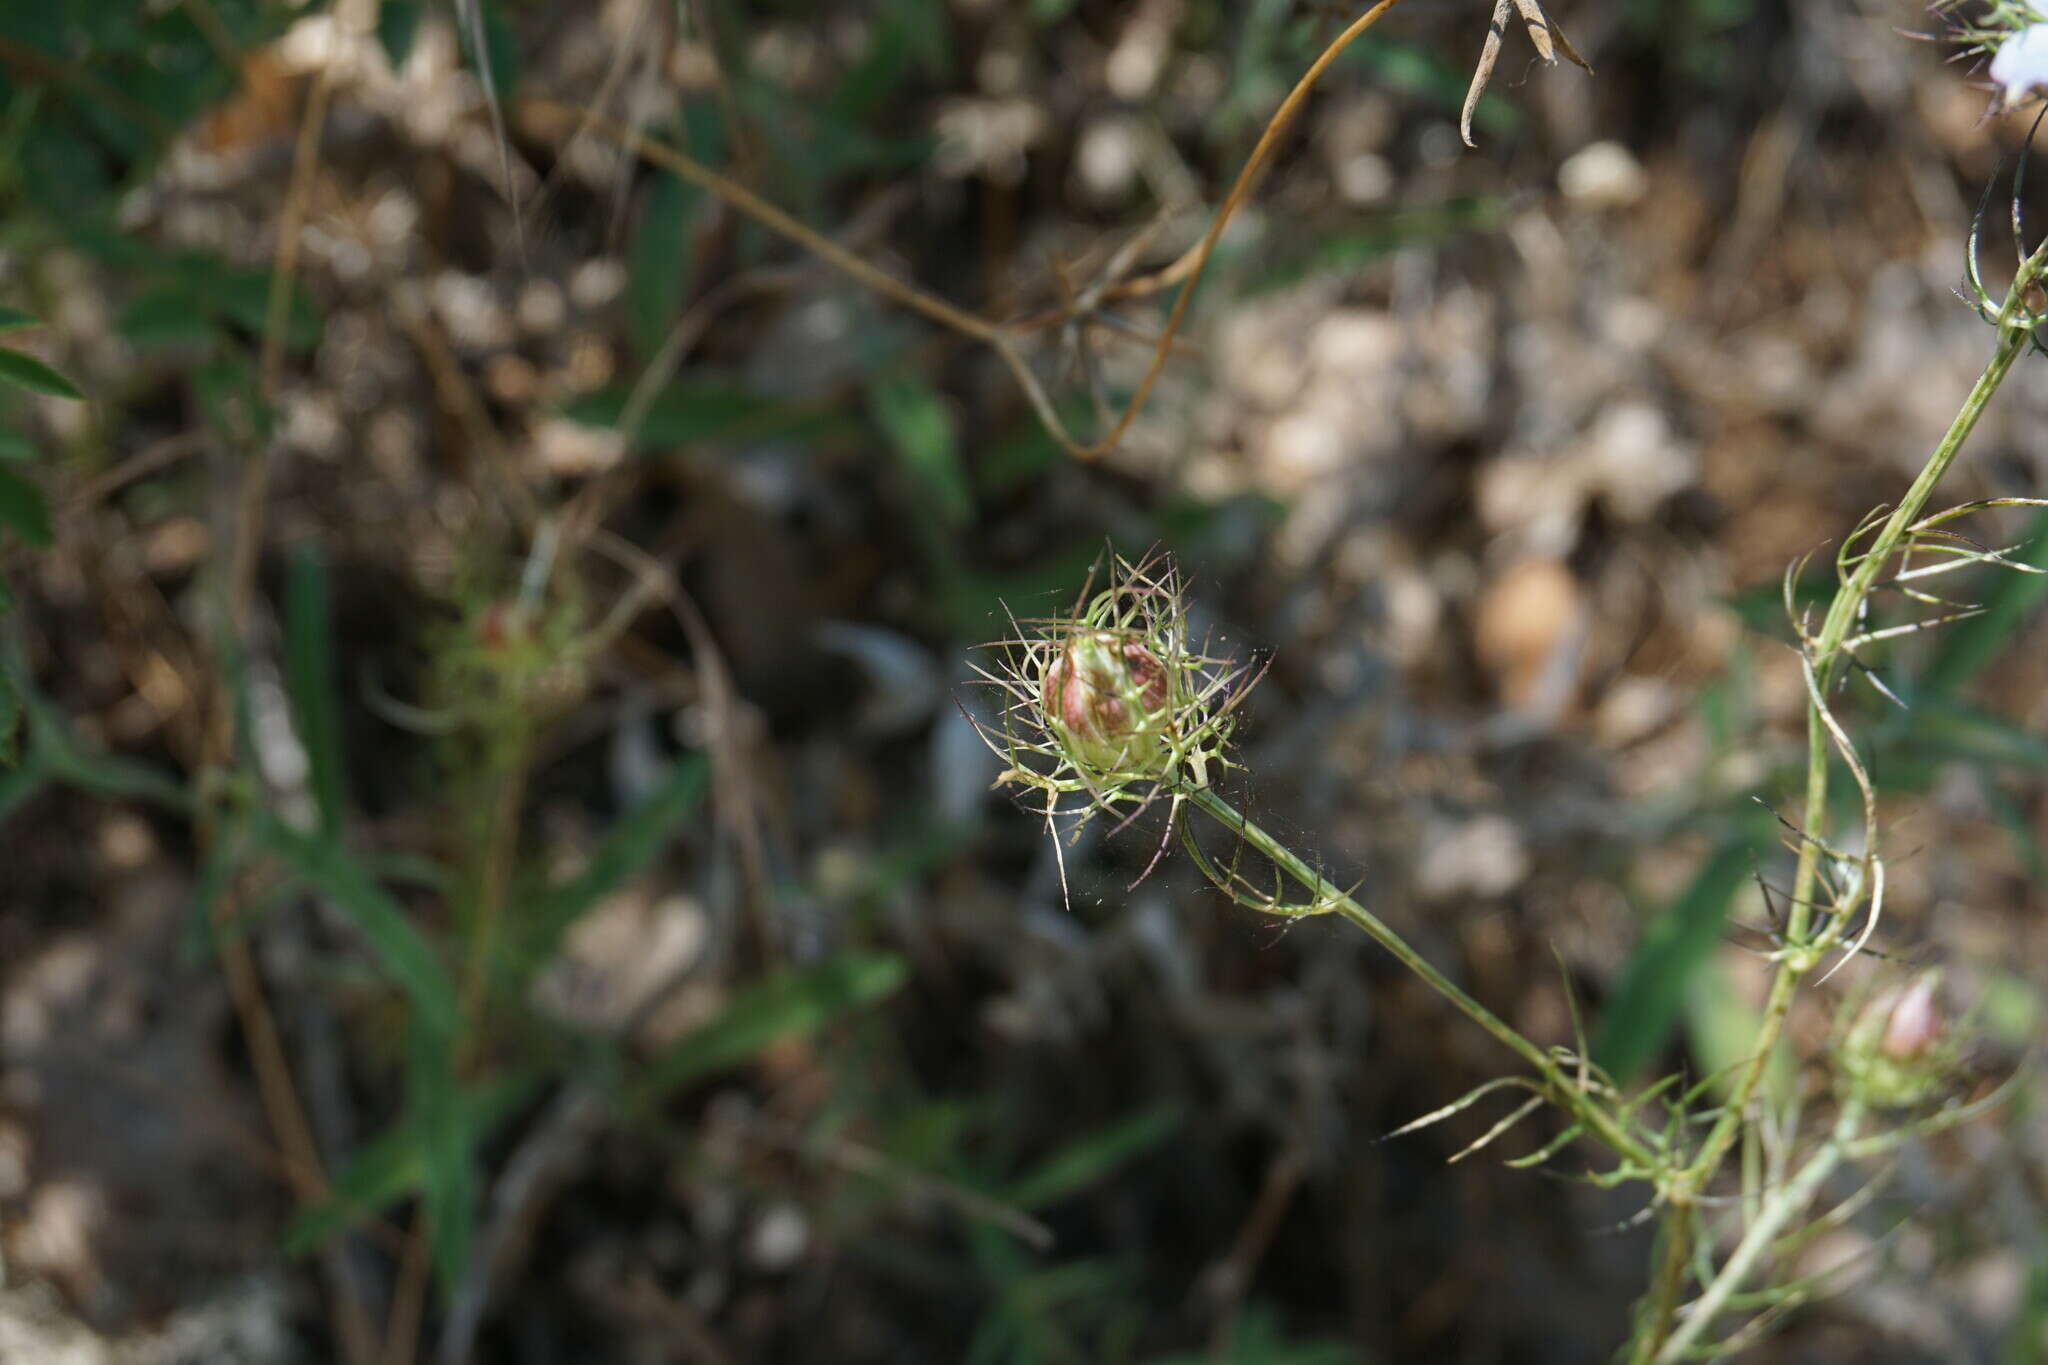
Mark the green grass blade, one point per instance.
(447, 1173)
(920, 430)
(701, 411)
(664, 259)
(399, 947)
(26, 372)
(633, 843)
(61, 758)
(1074, 1168)
(309, 680)
(393, 1165)
(789, 1005)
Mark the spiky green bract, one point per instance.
(1985, 24)
(1111, 704)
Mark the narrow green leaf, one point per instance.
(243, 298)
(14, 318)
(393, 1165)
(626, 851)
(789, 1005)
(309, 680)
(403, 952)
(1075, 1167)
(26, 372)
(447, 1173)
(689, 412)
(171, 316)
(1655, 984)
(920, 430)
(24, 511)
(664, 253)
(15, 449)
(63, 759)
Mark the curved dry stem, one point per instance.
(552, 117)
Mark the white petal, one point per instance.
(2021, 62)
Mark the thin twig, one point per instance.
(1187, 271)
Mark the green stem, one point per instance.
(2014, 335)
(1778, 1209)
(1659, 1309)
(1557, 1086)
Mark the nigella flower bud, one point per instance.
(1914, 1023)
(1106, 697)
(1899, 1047)
(1109, 706)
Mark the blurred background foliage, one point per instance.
(498, 868)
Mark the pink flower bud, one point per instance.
(1102, 694)
(1914, 1024)
(1900, 1047)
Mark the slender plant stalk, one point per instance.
(1779, 1207)
(1557, 1086)
(1800, 957)
(1659, 1307)
(2014, 335)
